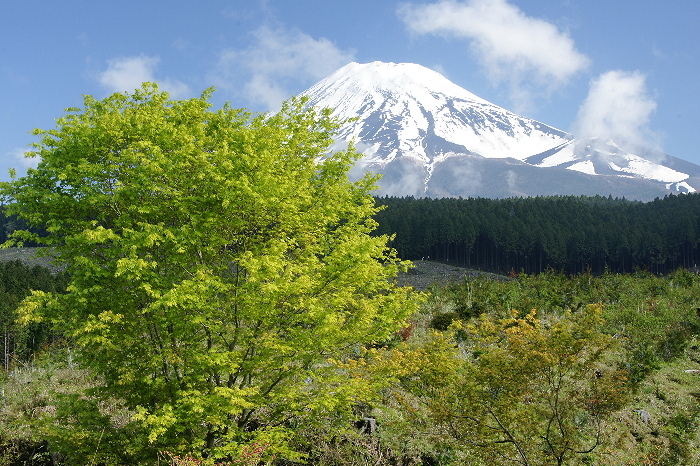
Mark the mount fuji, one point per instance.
(429, 137)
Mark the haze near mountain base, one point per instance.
(429, 137)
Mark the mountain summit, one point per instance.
(429, 137)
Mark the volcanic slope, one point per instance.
(429, 137)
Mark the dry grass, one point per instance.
(425, 274)
(30, 257)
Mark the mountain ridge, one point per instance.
(427, 137)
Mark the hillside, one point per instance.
(30, 257)
(425, 274)
(429, 137)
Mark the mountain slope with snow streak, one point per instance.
(429, 137)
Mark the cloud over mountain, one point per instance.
(618, 107)
(277, 61)
(511, 46)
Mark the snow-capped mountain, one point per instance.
(430, 137)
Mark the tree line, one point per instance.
(566, 233)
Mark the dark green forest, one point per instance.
(565, 233)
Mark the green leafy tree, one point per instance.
(523, 391)
(218, 260)
(18, 342)
(537, 392)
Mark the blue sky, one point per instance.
(626, 69)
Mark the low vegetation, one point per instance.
(600, 370)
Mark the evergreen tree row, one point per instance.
(566, 233)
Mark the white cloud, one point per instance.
(512, 47)
(511, 179)
(128, 73)
(26, 162)
(278, 64)
(618, 107)
(440, 69)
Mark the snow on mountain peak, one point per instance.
(429, 136)
(382, 79)
(407, 110)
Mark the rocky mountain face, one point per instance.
(429, 137)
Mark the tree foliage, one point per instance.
(19, 342)
(653, 317)
(537, 393)
(217, 259)
(520, 390)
